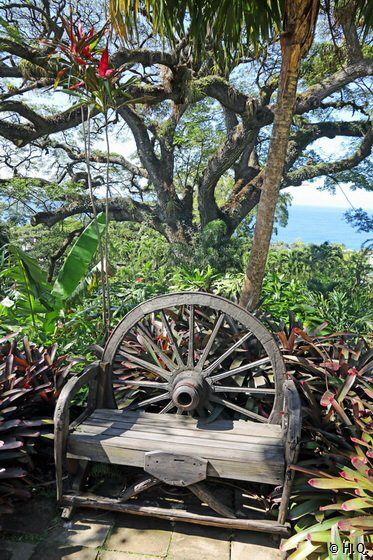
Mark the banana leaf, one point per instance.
(79, 259)
(31, 279)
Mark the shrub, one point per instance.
(31, 380)
(333, 491)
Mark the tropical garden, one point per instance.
(146, 148)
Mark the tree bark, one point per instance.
(300, 19)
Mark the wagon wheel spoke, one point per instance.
(141, 383)
(252, 390)
(237, 408)
(155, 347)
(240, 369)
(152, 400)
(167, 408)
(190, 362)
(146, 365)
(140, 486)
(227, 353)
(171, 338)
(203, 493)
(210, 341)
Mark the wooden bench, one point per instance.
(190, 389)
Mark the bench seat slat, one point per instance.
(237, 450)
(240, 426)
(184, 435)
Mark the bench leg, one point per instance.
(76, 485)
(283, 510)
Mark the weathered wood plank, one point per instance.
(62, 417)
(265, 526)
(252, 468)
(292, 425)
(185, 437)
(146, 442)
(223, 437)
(239, 426)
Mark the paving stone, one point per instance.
(115, 555)
(83, 530)
(141, 535)
(49, 551)
(10, 550)
(260, 546)
(191, 542)
(35, 516)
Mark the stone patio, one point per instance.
(98, 535)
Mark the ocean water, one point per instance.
(312, 224)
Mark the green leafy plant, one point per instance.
(350, 311)
(30, 297)
(185, 279)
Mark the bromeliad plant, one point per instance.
(31, 380)
(85, 72)
(341, 504)
(84, 68)
(333, 496)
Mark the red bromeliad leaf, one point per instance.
(327, 398)
(365, 522)
(104, 62)
(361, 442)
(331, 484)
(359, 462)
(303, 334)
(86, 52)
(331, 507)
(76, 86)
(347, 475)
(12, 473)
(357, 503)
(361, 493)
(333, 365)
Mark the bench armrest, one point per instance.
(70, 390)
(292, 421)
(62, 416)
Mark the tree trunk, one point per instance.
(300, 18)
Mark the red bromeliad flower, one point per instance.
(85, 65)
(103, 68)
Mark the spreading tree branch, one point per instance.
(121, 209)
(78, 156)
(307, 172)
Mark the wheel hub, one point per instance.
(189, 390)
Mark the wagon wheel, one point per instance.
(197, 354)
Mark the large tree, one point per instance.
(229, 23)
(169, 172)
